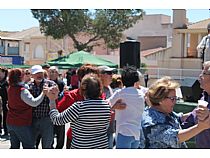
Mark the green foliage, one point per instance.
(106, 24)
(143, 68)
(143, 65)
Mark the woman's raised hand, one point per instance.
(202, 112)
(53, 92)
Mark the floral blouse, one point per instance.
(159, 130)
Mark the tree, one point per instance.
(106, 24)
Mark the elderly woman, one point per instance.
(19, 117)
(72, 96)
(89, 118)
(27, 76)
(161, 125)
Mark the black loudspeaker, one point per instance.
(191, 90)
(130, 54)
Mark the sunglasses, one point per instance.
(53, 72)
(27, 73)
(108, 72)
(175, 98)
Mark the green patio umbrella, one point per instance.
(78, 59)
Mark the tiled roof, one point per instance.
(151, 51)
(10, 38)
(34, 31)
(6, 33)
(200, 24)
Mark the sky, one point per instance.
(20, 19)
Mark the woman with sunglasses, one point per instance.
(161, 125)
(27, 76)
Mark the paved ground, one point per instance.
(5, 142)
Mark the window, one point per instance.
(38, 52)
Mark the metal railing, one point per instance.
(178, 74)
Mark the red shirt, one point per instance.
(19, 113)
(74, 80)
(68, 99)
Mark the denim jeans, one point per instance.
(44, 128)
(126, 142)
(110, 140)
(21, 134)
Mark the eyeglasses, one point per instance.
(175, 98)
(27, 73)
(204, 73)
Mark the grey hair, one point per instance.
(207, 65)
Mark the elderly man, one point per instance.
(106, 78)
(59, 131)
(202, 139)
(41, 123)
(204, 46)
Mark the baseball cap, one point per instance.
(105, 69)
(45, 66)
(36, 69)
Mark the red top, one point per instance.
(19, 113)
(68, 99)
(74, 80)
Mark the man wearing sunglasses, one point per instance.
(202, 139)
(106, 78)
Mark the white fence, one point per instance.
(186, 77)
(178, 74)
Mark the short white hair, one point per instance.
(53, 68)
(140, 74)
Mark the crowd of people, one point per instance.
(104, 110)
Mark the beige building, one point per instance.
(34, 46)
(37, 48)
(182, 55)
(164, 44)
(152, 31)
